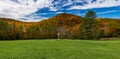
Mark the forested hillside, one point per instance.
(63, 25)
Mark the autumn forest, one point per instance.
(62, 26)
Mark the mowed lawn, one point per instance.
(63, 49)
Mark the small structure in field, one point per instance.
(58, 35)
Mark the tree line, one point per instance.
(63, 26)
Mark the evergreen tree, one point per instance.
(88, 28)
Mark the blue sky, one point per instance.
(36, 10)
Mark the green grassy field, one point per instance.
(63, 49)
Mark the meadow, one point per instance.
(62, 49)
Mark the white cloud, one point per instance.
(97, 4)
(108, 12)
(73, 2)
(59, 12)
(33, 18)
(16, 10)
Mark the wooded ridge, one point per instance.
(66, 24)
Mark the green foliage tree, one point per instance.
(3, 30)
(88, 28)
(3, 25)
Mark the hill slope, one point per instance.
(63, 19)
(18, 23)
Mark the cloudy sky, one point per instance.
(36, 10)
